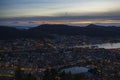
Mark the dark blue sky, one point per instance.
(76, 12)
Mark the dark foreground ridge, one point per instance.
(47, 30)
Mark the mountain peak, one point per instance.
(92, 25)
(51, 25)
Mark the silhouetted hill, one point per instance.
(9, 33)
(90, 30)
(55, 29)
(94, 26)
(46, 30)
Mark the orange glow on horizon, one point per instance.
(80, 22)
(76, 22)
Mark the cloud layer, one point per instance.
(76, 12)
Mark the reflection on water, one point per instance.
(104, 45)
(108, 45)
(75, 70)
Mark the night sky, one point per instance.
(74, 12)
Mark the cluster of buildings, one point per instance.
(37, 55)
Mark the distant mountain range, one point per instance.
(47, 30)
